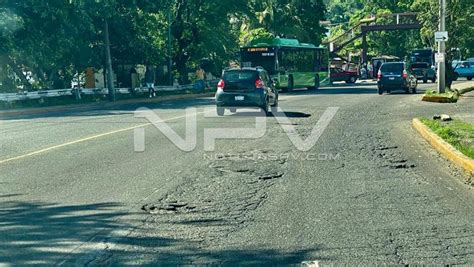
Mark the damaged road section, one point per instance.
(214, 202)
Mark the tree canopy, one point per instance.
(45, 41)
(43, 44)
(459, 20)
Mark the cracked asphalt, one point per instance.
(370, 192)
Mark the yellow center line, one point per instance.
(44, 150)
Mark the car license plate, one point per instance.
(239, 98)
(391, 78)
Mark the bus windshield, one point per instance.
(259, 57)
(424, 55)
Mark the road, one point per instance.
(371, 191)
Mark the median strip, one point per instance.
(452, 96)
(443, 147)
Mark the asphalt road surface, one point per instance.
(73, 190)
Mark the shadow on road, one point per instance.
(339, 90)
(46, 233)
(288, 114)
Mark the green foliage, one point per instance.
(45, 43)
(397, 43)
(459, 23)
(457, 133)
(341, 11)
(288, 18)
(254, 34)
(459, 20)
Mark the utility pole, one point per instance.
(110, 72)
(442, 48)
(170, 51)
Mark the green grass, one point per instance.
(457, 133)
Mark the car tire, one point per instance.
(469, 78)
(274, 107)
(407, 90)
(267, 109)
(425, 80)
(291, 84)
(433, 80)
(455, 77)
(220, 111)
(275, 104)
(380, 90)
(389, 91)
(352, 80)
(233, 110)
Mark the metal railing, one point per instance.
(31, 95)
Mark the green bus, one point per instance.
(290, 63)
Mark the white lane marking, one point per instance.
(44, 150)
(310, 264)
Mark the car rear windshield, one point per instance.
(419, 66)
(392, 67)
(240, 76)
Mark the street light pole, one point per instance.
(442, 48)
(110, 72)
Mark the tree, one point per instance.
(298, 19)
(46, 43)
(459, 24)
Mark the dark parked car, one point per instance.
(340, 75)
(246, 87)
(395, 76)
(423, 71)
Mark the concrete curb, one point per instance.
(445, 149)
(91, 106)
(465, 89)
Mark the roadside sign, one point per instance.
(441, 36)
(439, 58)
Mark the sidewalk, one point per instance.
(5, 114)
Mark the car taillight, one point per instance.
(379, 75)
(258, 84)
(221, 85)
(405, 74)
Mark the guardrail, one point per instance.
(8, 97)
